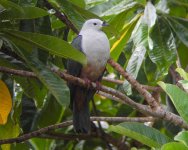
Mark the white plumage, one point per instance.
(95, 45)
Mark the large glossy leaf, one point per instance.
(182, 137)
(179, 28)
(52, 44)
(146, 135)
(178, 97)
(162, 47)
(112, 7)
(150, 15)
(140, 41)
(14, 11)
(174, 146)
(5, 103)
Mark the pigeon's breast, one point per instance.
(96, 47)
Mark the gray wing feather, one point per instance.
(74, 68)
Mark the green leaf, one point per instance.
(53, 82)
(162, 47)
(150, 15)
(52, 44)
(174, 146)
(146, 135)
(179, 28)
(178, 97)
(71, 13)
(14, 11)
(112, 7)
(182, 73)
(134, 65)
(140, 41)
(182, 137)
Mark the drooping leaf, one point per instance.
(140, 42)
(182, 137)
(134, 65)
(112, 7)
(51, 44)
(174, 146)
(162, 47)
(178, 97)
(179, 28)
(146, 135)
(76, 18)
(150, 15)
(5, 103)
(14, 11)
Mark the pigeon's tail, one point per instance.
(81, 115)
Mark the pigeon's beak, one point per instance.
(105, 23)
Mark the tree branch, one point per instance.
(156, 108)
(148, 97)
(147, 87)
(158, 112)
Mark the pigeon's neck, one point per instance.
(90, 30)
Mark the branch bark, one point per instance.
(158, 112)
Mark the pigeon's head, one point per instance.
(95, 24)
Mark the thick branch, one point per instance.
(159, 112)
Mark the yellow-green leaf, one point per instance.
(5, 102)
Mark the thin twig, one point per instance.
(147, 87)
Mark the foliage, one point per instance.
(147, 38)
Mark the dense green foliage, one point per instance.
(147, 39)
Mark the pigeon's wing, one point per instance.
(74, 68)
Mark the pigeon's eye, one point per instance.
(95, 24)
